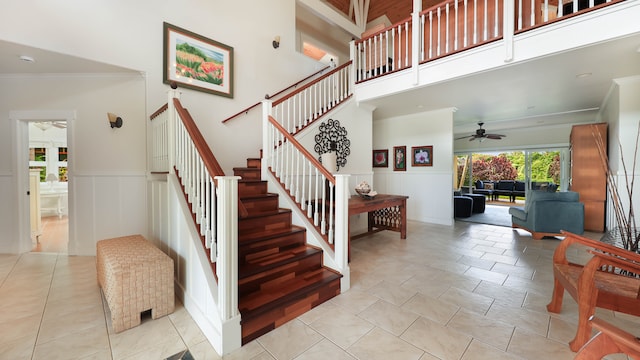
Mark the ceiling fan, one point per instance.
(45, 125)
(481, 134)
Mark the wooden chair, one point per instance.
(610, 340)
(598, 283)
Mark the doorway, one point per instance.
(534, 169)
(48, 186)
(44, 185)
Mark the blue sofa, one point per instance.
(546, 213)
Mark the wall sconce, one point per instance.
(114, 120)
(276, 42)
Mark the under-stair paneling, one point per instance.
(106, 206)
(158, 211)
(195, 282)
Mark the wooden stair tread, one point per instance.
(266, 213)
(261, 236)
(264, 300)
(251, 181)
(258, 196)
(280, 276)
(271, 261)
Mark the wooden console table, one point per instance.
(385, 212)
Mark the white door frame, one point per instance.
(20, 121)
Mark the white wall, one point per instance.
(110, 165)
(357, 120)
(622, 111)
(430, 189)
(106, 166)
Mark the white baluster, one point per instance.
(332, 210)
(207, 210)
(520, 15)
(486, 22)
(431, 34)
(303, 203)
(297, 195)
(323, 226)
(455, 24)
(496, 20)
(315, 215)
(446, 32)
(422, 29)
(406, 46)
(533, 13)
(439, 26)
(466, 31)
(475, 22)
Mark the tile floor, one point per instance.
(468, 292)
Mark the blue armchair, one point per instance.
(546, 213)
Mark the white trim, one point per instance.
(20, 170)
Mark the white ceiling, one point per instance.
(48, 62)
(542, 92)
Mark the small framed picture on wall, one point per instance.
(399, 158)
(422, 155)
(381, 158)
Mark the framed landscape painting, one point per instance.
(399, 158)
(422, 156)
(196, 62)
(381, 158)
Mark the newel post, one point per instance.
(227, 234)
(342, 230)
(171, 128)
(267, 150)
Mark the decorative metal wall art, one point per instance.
(333, 137)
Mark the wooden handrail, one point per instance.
(162, 109)
(304, 151)
(205, 152)
(209, 160)
(276, 94)
(243, 111)
(293, 93)
(299, 82)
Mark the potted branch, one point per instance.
(626, 234)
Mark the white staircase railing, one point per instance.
(178, 146)
(308, 103)
(321, 197)
(453, 26)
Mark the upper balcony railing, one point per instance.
(454, 26)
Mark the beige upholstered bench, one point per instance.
(135, 276)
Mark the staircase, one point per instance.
(279, 276)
